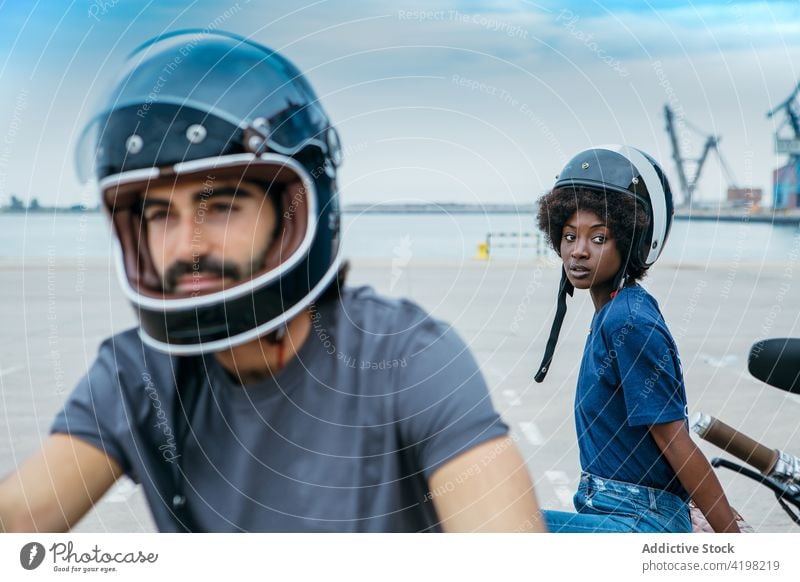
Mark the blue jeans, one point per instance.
(609, 506)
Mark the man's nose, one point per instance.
(190, 239)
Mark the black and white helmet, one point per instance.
(624, 170)
(627, 170)
(192, 103)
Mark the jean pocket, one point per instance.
(668, 520)
(614, 503)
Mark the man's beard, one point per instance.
(207, 265)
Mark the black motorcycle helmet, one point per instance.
(624, 170)
(193, 103)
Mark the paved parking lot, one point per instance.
(55, 313)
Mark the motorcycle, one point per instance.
(775, 362)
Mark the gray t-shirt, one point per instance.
(343, 438)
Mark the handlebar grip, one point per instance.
(736, 443)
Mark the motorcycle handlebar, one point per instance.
(736, 443)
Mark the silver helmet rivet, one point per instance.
(255, 143)
(134, 144)
(585, 165)
(556, 176)
(635, 181)
(261, 124)
(655, 243)
(196, 133)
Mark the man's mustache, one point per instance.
(202, 266)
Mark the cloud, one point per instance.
(556, 81)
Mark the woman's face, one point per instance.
(589, 252)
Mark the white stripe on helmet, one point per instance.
(655, 188)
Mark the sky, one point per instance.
(474, 101)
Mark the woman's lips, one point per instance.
(578, 272)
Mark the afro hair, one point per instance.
(622, 214)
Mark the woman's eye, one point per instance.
(569, 237)
(600, 239)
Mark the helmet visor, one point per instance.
(210, 229)
(216, 77)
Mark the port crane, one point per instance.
(688, 183)
(786, 181)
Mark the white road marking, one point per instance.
(512, 397)
(121, 491)
(531, 432)
(722, 362)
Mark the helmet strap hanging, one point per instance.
(565, 288)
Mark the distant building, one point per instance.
(786, 185)
(745, 196)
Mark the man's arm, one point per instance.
(486, 489)
(53, 489)
(695, 474)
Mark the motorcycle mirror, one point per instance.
(776, 362)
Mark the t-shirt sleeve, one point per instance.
(444, 408)
(94, 409)
(650, 374)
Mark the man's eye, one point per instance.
(156, 215)
(223, 208)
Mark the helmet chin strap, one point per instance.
(276, 337)
(565, 288)
(619, 281)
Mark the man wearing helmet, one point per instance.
(608, 217)
(258, 393)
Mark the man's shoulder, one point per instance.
(126, 356)
(363, 305)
